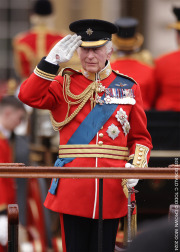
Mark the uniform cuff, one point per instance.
(140, 156)
(46, 70)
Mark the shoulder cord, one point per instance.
(79, 99)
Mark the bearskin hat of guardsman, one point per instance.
(42, 7)
(94, 32)
(176, 25)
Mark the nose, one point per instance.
(90, 53)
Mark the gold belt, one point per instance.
(93, 150)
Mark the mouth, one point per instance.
(91, 63)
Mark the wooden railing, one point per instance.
(21, 171)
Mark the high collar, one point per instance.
(103, 74)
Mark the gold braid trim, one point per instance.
(80, 99)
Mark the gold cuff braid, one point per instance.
(140, 156)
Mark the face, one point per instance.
(13, 117)
(93, 59)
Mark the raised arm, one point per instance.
(41, 90)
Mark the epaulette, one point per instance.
(69, 71)
(123, 75)
(144, 56)
(19, 37)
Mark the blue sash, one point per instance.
(93, 122)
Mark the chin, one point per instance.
(92, 69)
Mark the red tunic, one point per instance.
(167, 72)
(7, 185)
(30, 46)
(80, 196)
(143, 74)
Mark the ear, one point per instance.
(109, 54)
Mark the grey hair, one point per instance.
(109, 46)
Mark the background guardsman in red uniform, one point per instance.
(11, 113)
(130, 59)
(100, 117)
(30, 46)
(167, 72)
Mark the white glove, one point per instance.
(131, 182)
(3, 230)
(128, 165)
(64, 49)
(27, 247)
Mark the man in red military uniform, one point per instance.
(11, 113)
(100, 117)
(128, 58)
(167, 73)
(30, 46)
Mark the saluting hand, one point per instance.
(64, 49)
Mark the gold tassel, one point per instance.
(124, 185)
(133, 225)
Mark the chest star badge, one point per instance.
(113, 131)
(122, 118)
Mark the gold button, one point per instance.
(141, 149)
(137, 162)
(140, 153)
(100, 142)
(101, 134)
(139, 158)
